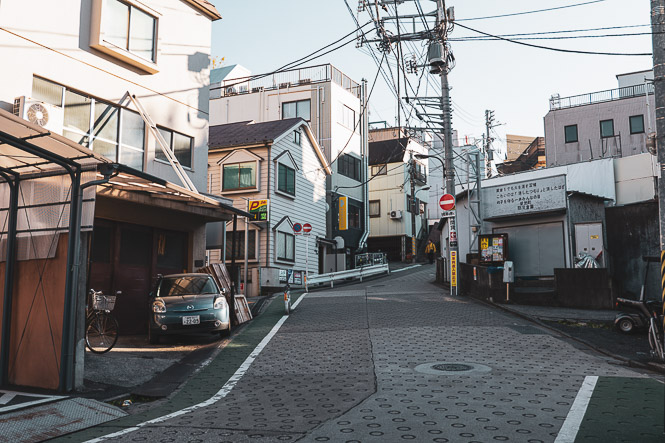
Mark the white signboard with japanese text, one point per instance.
(526, 197)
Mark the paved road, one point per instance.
(397, 359)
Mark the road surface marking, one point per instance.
(404, 269)
(223, 392)
(6, 398)
(573, 421)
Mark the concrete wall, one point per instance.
(635, 178)
(588, 118)
(175, 97)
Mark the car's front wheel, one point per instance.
(226, 332)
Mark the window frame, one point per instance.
(565, 134)
(630, 124)
(376, 214)
(90, 136)
(295, 102)
(100, 41)
(382, 169)
(254, 187)
(601, 128)
(228, 243)
(347, 113)
(287, 236)
(297, 137)
(279, 175)
(359, 219)
(346, 162)
(191, 147)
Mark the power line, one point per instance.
(564, 31)
(530, 12)
(570, 51)
(565, 37)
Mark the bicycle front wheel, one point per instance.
(101, 332)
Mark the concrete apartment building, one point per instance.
(278, 165)
(331, 103)
(74, 66)
(613, 123)
(391, 203)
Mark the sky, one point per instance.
(514, 81)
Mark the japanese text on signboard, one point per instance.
(539, 195)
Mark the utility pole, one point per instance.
(658, 40)
(412, 205)
(489, 124)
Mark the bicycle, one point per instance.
(287, 299)
(101, 327)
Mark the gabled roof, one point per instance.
(206, 8)
(387, 151)
(249, 133)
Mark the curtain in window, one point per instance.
(246, 179)
(77, 117)
(182, 148)
(132, 139)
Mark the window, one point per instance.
(239, 176)
(347, 117)
(130, 28)
(637, 124)
(179, 144)
(296, 137)
(109, 130)
(286, 246)
(571, 133)
(379, 169)
(240, 245)
(606, 128)
(354, 216)
(286, 179)
(300, 109)
(375, 208)
(349, 166)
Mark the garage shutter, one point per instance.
(535, 249)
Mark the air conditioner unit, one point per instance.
(396, 215)
(231, 90)
(42, 114)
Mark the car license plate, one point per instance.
(191, 320)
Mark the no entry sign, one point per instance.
(306, 228)
(447, 202)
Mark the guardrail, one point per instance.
(366, 271)
(370, 259)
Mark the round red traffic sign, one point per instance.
(447, 202)
(297, 227)
(306, 228)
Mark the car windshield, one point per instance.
(186, 285)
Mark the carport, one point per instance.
(49, 187)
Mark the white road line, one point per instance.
(404, 269)
(223, 392)
(6, 398)
(571, 426)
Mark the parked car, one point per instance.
(184, 303)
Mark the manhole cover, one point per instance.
(453, 367)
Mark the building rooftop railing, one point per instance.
(557, 102)
(286, 79)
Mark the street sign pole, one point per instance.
(447, 204)
(307, 263)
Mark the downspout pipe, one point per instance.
(364, 148)
(66, 369)
(12, 179)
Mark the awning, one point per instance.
(13, 128)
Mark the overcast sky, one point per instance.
(514, 81)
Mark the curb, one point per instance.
(631, 363)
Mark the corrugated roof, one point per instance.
(387, 151)
(249, 133)
(206, 7)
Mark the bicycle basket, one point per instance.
(103, 302)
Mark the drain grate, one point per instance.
(452, 367)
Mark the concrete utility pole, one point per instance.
(658, 39)
(412, 205)
(442, 23)
(489, 124)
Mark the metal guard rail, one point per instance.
(351, 273)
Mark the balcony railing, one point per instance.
(287, 79)
(557, 102)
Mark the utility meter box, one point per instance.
(508, 272)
